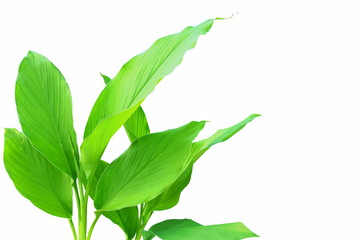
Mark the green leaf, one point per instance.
(129, 88)
(146, 168)
(180, 229)
(136, 126)
(170, 197)
(128, 218)
(35, 177)
(99, 171)
(106, 78)
(43, 102)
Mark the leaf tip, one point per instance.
(226, 18)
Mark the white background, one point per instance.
(292, 174)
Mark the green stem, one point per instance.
(82, 203)
(73, 228)
(97, 216)
(82, 213)
(143, 221)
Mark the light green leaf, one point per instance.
(99, 171)
(180, 229)
(44, 106)
(35, 177)
(170, 197)
(146, 168)
(128, 218)
(134, 82)
(136, 126)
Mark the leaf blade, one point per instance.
(145, 170)
(127, 219)
(134, 82)
(178, 229)
(171, 196)
(44, 106)
(137, 125)
(35, 177)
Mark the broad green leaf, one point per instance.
(136, 126)
(146, 168)
(180, 229)
(35, 177)
(128, 218)
(170, 197)
(129, 88)
(44, 107)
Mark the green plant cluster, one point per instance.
(49, 168)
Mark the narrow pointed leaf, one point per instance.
(134, 82)
(146, 168)
(105, 78)
(180, 229)
(35, 177)
(44, 107)
(170, 197)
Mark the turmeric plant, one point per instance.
(48, 167)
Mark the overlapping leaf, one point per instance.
(35, 177)
(44, 106)
(180, 229)
(128, 218)
(136, 126)
(170, 197)
(134, 82)
(146, 168)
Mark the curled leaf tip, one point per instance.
(222, 18)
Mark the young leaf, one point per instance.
(35, 177)
(180, 229)
(170, 197)
(44, 107)
(146, 168)
(134, 82)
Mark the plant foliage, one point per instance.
(48, 167)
